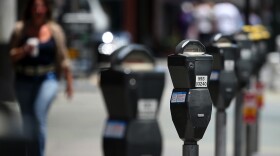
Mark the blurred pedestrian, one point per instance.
(254, 18)
(204, 21)
(228, 18)
(38, 52)
(186, 18)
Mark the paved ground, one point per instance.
(75, 126)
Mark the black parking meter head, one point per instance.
(258, 49)
(244, 64)
(223, 80)
(132, 79)
(190, 103)
(188, 62)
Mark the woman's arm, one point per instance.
(69, 82)
(18, 53)
(63, 58)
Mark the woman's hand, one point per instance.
(21, 52)
(69, 90)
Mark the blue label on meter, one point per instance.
(215, 75)
(115, 129)
(178, 97)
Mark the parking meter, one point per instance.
(132, 89)
(223, 80)
(190, 103)
(12, 141)
(223, 84)
(258, 36)
(244, 65)
(258, 54)
(245, 69)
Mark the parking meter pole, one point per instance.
(223, 85)
(190, 150)
(256, 132)
(249, 140)
(221, 120)
(256, 126)
(247, 12)
(238, 125)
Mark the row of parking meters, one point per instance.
(132, 89)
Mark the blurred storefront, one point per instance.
(156, 23)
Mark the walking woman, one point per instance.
(38, 52)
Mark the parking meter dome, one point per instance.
(190, 47)
(132, 57)
(220, 38)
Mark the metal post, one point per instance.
(238, 125)
(247, 12)
(221, 117)
(249, 140)
(190, 150)
(255, 132)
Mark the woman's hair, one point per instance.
(27, 15)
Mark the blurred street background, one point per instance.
(95, 28)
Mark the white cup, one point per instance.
(34, 42)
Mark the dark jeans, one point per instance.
(35, 97)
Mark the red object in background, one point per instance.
(250, 107)
(260, 94)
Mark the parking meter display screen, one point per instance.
(137, 57)
(224, 40)
(193, 48)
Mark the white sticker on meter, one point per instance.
(245, 54)
(201, 81)
(147, 108)
(229, 65)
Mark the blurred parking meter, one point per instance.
(259, 35)
(132, 89)
(190, 102)
(244, 70)
(12, 141)
(252, 57)
(244, 65)
(223, 84)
